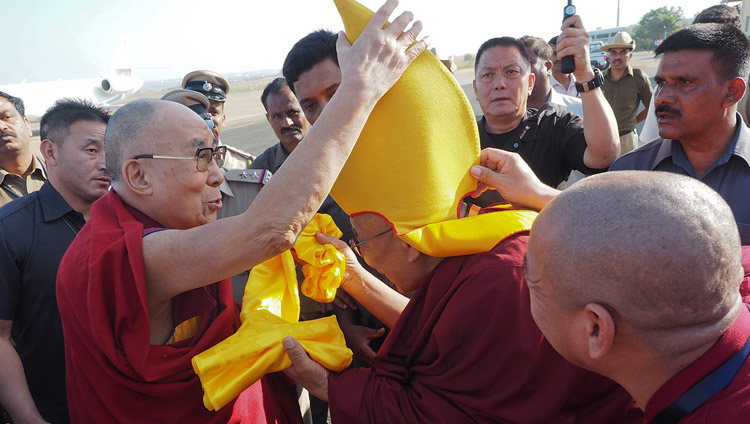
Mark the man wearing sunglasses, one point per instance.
(145, 285)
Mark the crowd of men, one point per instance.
(626, 301)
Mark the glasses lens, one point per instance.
(221, 154)
(210, 124)
(203, 156)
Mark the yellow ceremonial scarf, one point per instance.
(270, 311)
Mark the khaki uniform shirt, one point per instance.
(624, 94)
(13, 186)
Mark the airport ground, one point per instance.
(246, 127)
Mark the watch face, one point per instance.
(570, 10)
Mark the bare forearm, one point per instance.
(641, 115)
(600, 130)
(14, 390)
(382, 301)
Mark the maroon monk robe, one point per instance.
(466, 349)
(114, 374)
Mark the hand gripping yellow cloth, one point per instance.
(411, 162)
(270, 311)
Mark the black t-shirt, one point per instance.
(35, 232)
(550, 140)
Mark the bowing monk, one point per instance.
(144, 287)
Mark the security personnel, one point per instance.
(215, 87)
(625, 87)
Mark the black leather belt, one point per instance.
(622, 133)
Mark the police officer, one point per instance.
(215, 87)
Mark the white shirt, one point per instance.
(560, 88)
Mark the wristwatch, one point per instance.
(597, 81)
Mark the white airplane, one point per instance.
(116, 83)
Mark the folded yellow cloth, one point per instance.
(270, 311)
(255, 349)
(470, 235)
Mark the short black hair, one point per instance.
(308, 52)
(553, 41)
(501, 41)
(276, 86)
(541, 48)
(719, 14)
(57, 119)
(730, 47)
(17, 103)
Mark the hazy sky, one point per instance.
(61, 39)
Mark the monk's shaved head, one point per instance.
(125, 129)
(659, 250)
(138, 127)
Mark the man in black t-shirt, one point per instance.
(553, 142)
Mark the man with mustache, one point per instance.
(20, 172)
(701, 78)
(624, 87)
(35, 232)
(289, 124)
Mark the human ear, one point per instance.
(532, 78)
(600, 330)
(735, 91)
(135, 176)
(412, 254)
(49, 152)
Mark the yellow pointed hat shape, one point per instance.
(411, 162)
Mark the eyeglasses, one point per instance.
(203, 157)
(354, 243)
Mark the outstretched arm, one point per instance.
(599, 123)
(178, 261)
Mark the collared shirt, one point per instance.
(35, 232)
(729, 175)
(731, 404)
(625, 93)
(13, 186)
(568, 103)
(560, 88)
(271, 159)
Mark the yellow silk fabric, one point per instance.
(255, 349)
(270, 311)
(470, 235)
(411, 162)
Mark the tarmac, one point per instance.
(246, 127)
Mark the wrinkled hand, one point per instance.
(380, 55)
(507, 173)
(574, 40)
(308, 373)
(352, 272)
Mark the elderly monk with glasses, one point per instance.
(144, 287)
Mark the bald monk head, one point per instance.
(401, 263)
(173, 191)
(653, 281)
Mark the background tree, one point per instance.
(657, 24)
